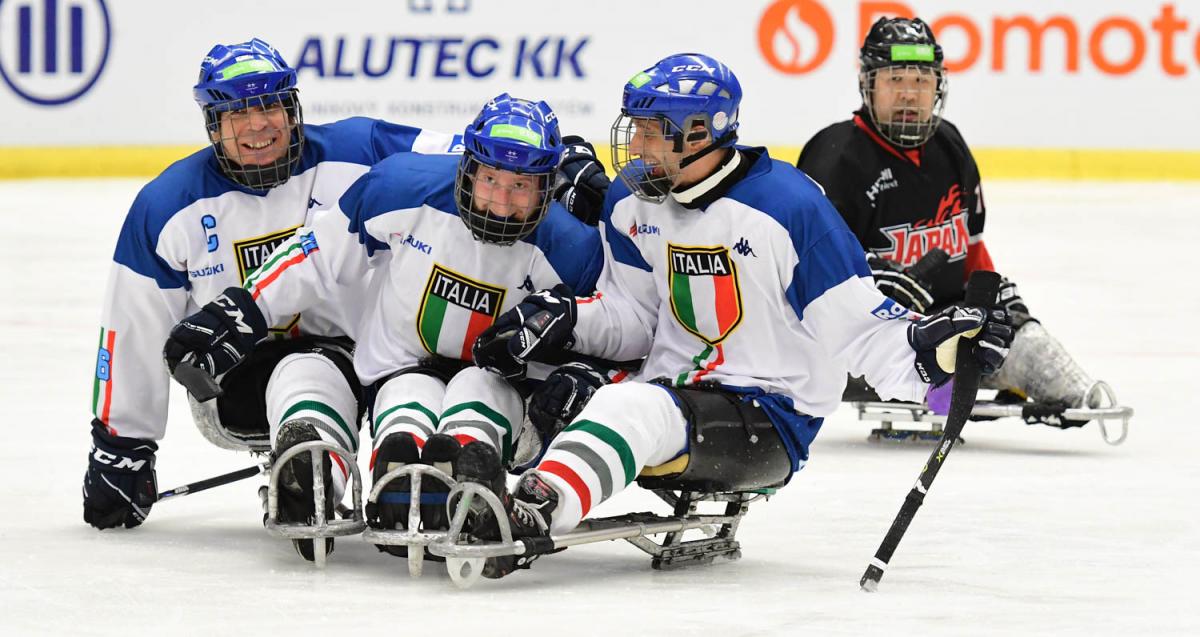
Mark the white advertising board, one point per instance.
(1025, 73)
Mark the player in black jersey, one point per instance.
(906, 184)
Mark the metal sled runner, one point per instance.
(323, 525)
(1100, 393)
(465, 556)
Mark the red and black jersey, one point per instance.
(901, 203)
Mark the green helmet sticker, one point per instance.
(249, 66)
(519, 133)
(639, 80)
(912, 53)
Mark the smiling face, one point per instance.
(504, 193)
(649, 143)
(256, 135)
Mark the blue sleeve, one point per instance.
(387, 139)
(828, 253)
(359, 204)
(403, 181)
(572, 248)
(824, 264)
(138, 242)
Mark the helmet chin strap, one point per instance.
(716, 145)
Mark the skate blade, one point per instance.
(465, 571)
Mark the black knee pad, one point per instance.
(733, 446)
(243, 408)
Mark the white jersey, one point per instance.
(763, 288)
(192, 232)
(434, 287)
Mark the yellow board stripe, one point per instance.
(29, 162)
(20, 162)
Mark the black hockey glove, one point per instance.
(542, 323)
(559, 398)
(120, 486)
(899, 284)
(219, 336)
(1010, 300)
(935, 340)
(581, 183)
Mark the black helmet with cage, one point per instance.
(902, 80)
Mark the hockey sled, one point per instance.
(1108, 412)
(325, 525)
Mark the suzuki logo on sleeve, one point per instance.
(53, 51)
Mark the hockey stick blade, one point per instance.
(199, 383)
(981, 292)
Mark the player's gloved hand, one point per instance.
(219, 336)
(120, 486)
(559, 398)
(1008, 298)
(935, 339)
(899, 285)
(542, 323)
(581, 183)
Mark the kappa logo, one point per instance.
(706, 297)
(642, 228)
(527, 284)
(743, 248)
(313, 203)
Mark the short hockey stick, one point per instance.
(227, 478)
(199, 383)
(981, 292)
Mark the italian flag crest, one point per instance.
(705, 296)
(454, 310)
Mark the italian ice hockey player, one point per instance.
(202, 226)
(740, 284)
(906, 184)
(450, 243)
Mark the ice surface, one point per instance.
(1027, 530)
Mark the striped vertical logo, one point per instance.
(103, 385)
(454, 311)
(705, 296)
(53, 51)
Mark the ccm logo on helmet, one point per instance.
(692, 67)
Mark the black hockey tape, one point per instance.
(199, 383)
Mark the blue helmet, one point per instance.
(250, 75)
(683, 91)
(520, 137)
